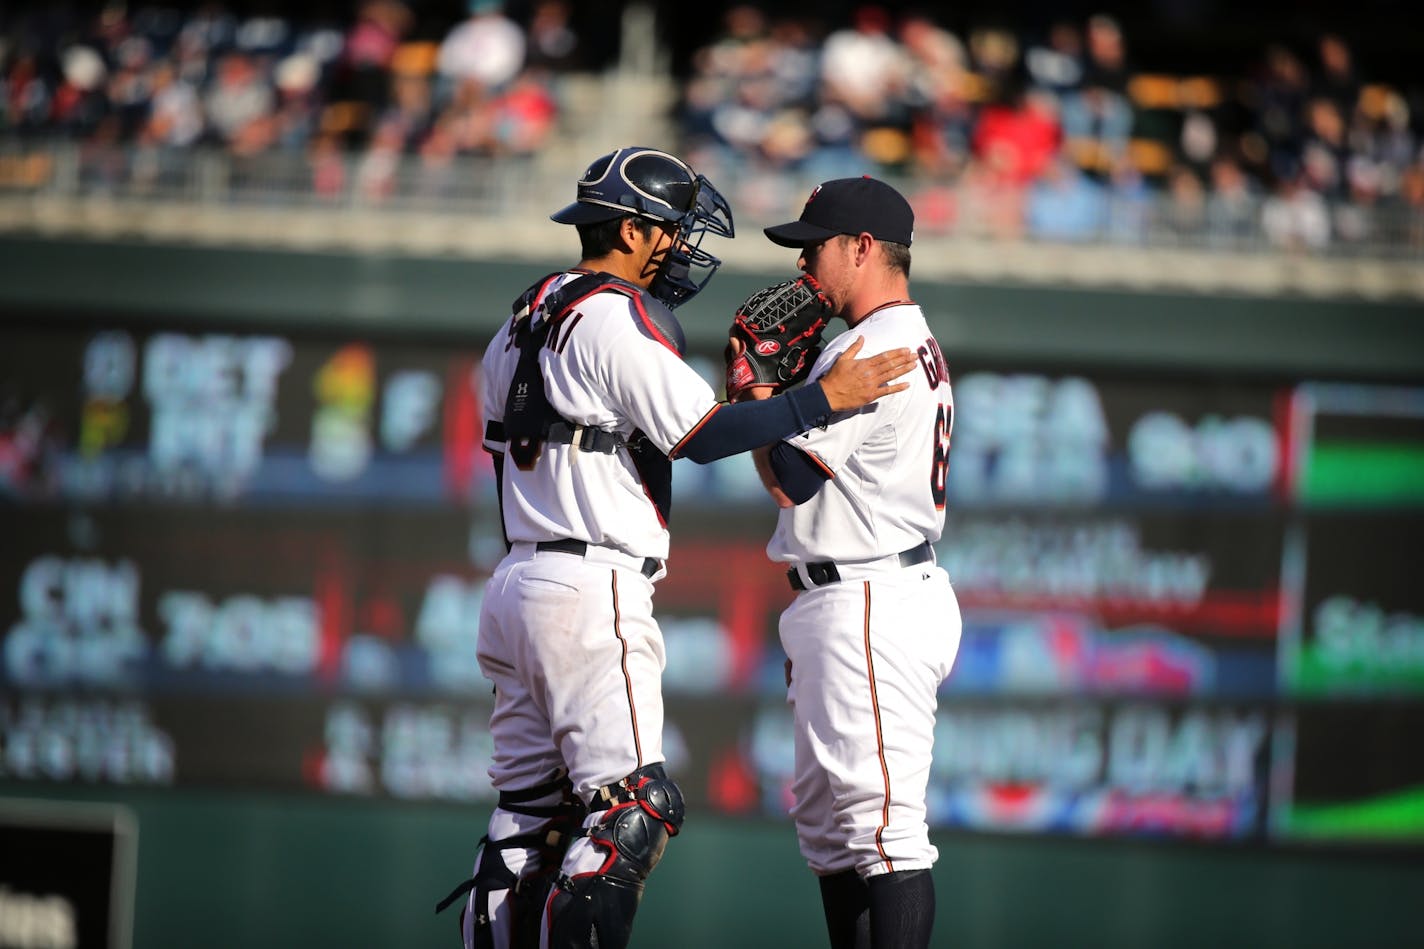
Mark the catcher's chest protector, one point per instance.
(528, 414)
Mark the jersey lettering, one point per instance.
(932, 361)
(939, 466)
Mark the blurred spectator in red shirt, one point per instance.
(1016, 138)
(524, 116)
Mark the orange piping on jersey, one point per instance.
(627, 680)
(695, 429)
(831, 475)
(879, 738)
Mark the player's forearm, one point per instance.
(733, 429)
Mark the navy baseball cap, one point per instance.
(849, 206)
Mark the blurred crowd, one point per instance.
(378, 85)
(1056, 136)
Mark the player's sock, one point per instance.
(847, 903)
(902, 909)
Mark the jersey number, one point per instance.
(939, 467)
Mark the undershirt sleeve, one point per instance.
(799, 474)
(732, 428)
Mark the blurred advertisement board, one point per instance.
(257, 559)
(1350, 773)
(1355, 626)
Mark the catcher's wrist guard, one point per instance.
(779, 329)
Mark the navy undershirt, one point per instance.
(742, 426)
(798, 475)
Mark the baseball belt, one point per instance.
(822, 572)
(568, 545)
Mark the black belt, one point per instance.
(824, 571)
(568, 545)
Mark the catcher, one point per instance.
(586, 399)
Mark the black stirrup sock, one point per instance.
(847, 902)
(902, 909)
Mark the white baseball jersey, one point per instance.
(604, 367)
(887, 461)
(869, 652)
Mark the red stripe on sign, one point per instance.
(1245, 614)
(627, 679)
(879, 737)
(461, 428)
(334, 615)
(1288, 413)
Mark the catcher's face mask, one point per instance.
(687, 267)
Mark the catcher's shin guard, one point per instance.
(596, 908)
(529, 832)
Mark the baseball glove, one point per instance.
(779, 329)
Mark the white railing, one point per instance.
(514, 188)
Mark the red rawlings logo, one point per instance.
(767, 347)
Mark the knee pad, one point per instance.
(638, 815)
(518, 860)
(642, 812)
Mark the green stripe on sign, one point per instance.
(1360, 473)
(1319, 673)
(1398, 815)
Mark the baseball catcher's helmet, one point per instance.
(658, 186)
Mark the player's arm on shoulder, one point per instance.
(850, 383)
(853, 381)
